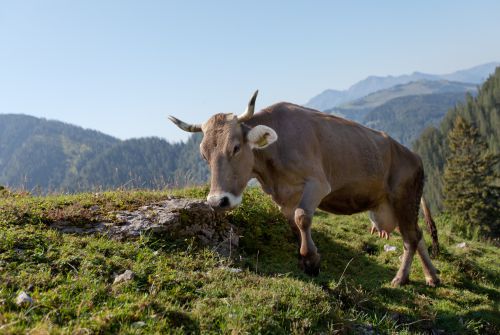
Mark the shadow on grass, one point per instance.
(357, 281)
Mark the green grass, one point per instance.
(180, 287)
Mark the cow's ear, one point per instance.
(260, 137)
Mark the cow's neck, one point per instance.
(264, 170)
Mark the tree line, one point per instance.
(461, 160)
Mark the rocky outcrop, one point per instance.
(176, 218)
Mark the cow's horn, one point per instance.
(250, 109)
(192, 128)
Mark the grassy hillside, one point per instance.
(180, 287)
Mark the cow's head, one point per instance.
(227, 146)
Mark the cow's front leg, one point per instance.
(314, 192)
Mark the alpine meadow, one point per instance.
(145, 190)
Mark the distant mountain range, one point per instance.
(333, 98)
(356, 110)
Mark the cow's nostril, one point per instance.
(224, 202)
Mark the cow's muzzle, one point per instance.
(223, 201)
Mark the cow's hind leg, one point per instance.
(406, 207)
(410, 242)
(314, 192)
(430, 271)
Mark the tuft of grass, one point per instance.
(181, 288)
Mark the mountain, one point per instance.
(332, 98)
(358, 109)
(405, 118)
(482, 111)
(144, 163)
(37, 152)
(327, 99)
(55, 156)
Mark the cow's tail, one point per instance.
(431, 226)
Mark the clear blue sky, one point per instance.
(122, 66)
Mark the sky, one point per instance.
(121, 67)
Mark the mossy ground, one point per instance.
(182, 288)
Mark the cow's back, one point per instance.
(360, 164)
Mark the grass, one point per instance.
(182, 288)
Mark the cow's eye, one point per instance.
(236, 149)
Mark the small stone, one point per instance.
(232, 270)
(126, 276)
(462, 245)
(23, 299)
(388, 248)
(94, 208)
(138, 324)
(395, 317)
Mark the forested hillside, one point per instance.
(47, 154)
(406, 117)
(54, 156)
(482, 112)
(357, 109)
(144, 163)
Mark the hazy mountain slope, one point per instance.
(332, 98)
(405, 118)
(477, 74)
(144, 163)
(55, 156)
(327, 99)
(358, 109)
(37, 152)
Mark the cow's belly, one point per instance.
(346, 201)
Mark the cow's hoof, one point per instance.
(432, 282)
(310, 265)
(398, 281)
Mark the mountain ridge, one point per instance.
(332, 98)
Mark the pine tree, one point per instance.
(471, 187)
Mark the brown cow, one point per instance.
(305, 160)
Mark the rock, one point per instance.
(126, 276)
(138, 324)
(388, 248)
(23, 299)
(462, 245)
(94, 208)
(180, 218)
(232, 270)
